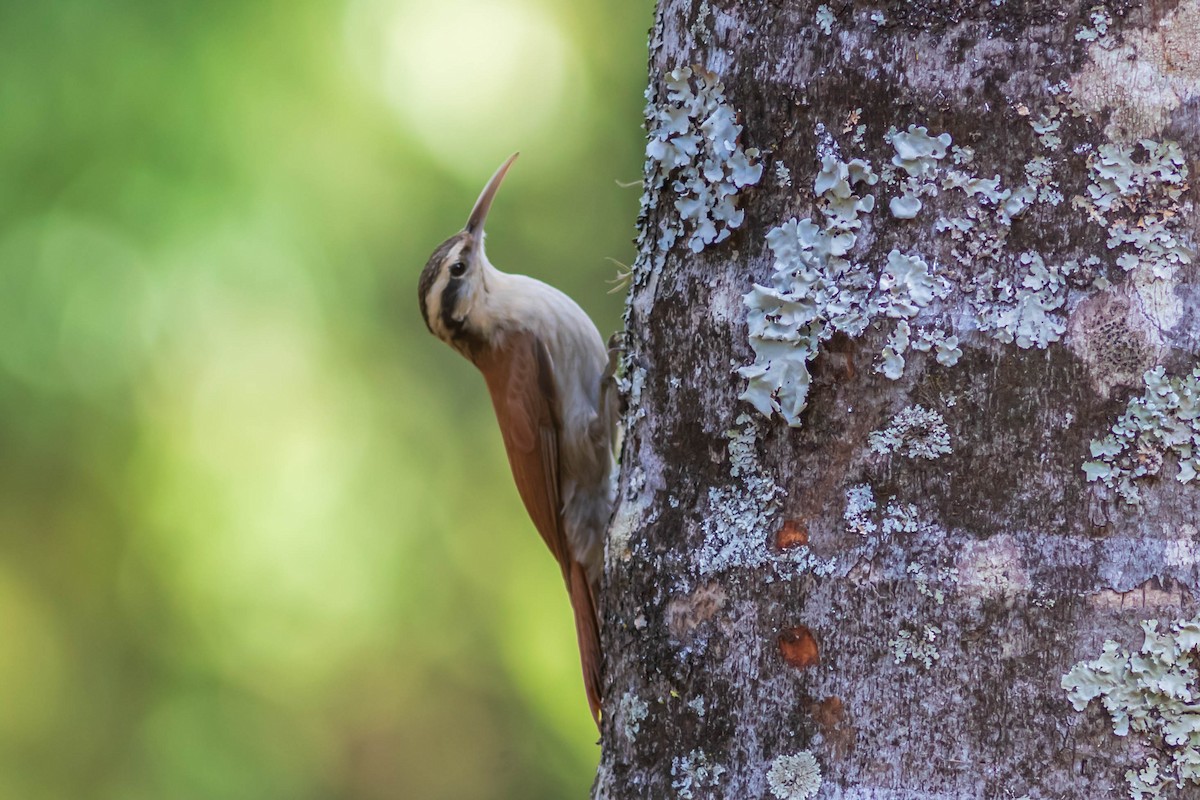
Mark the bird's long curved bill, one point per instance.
(480, 211)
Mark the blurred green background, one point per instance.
(258, 538)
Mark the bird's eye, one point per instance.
(458, 269)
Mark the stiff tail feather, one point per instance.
(587, 629)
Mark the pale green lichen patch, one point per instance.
(812, 294)
(946, 576)
(694, 772)
(1026, 310)
(631, 712)
(834, 189)
(1018, 298)
(945, 346)
(1164, 420)
(1046, 128)
(1039, 176)
(794, 777)
(694, 153)
(892, 364)
(1153, 693)
(919, 647)
(1136, 196)
(1096, 29)
(817, 290)
(915, 432)
(825, 19)
(907, 285)
(917, 155)
(988, 193)
(905, 206)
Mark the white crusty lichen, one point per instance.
(692, 772)
(860, 502)
(737, 525)
(631, 711)
(864, 518)
(1165, 419)
(1039, 176)
(735, 530)
(794, 777)
(782, 174)
(915, 432)
(1152, 693)
(860, 515)
(920, 648)
(699, 28)
(694, 152)
(902, 518)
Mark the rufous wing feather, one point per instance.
(520, 379)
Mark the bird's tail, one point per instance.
(587, 629)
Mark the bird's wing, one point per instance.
(520, 379)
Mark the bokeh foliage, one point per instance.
(257, 533)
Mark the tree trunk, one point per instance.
(912, 407)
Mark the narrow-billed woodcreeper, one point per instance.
(551, 382)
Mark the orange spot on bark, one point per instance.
(792, 534)
(798, 647)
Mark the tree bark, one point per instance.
(911, 406)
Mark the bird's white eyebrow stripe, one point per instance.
(437, 291)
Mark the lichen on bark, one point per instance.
(979, 231)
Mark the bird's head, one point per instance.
(456, 276)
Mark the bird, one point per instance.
(552, 383)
